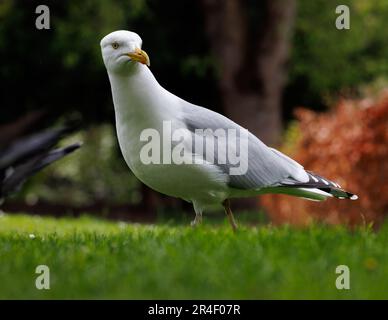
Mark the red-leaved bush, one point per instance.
(348, 145)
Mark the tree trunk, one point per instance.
(252, 54)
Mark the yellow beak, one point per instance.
(140, 56)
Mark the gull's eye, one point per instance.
(115, 45)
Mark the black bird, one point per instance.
(22, 158)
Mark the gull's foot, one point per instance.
(232, 223)
(229, 214)
(197, 221)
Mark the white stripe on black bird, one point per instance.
(141, 103)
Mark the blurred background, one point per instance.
(280, 68)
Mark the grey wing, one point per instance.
(264, 166)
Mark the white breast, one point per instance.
(139, 106)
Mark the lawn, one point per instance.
(90, 258)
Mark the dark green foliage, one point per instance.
(61, 71)
(326, 61)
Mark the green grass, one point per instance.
(90, 258)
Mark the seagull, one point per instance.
(145, 110)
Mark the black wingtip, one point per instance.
(72, 147)
(340, 193)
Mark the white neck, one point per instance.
(139, 97)
(140, 103)
(128, 90)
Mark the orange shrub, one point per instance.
(348, 145)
